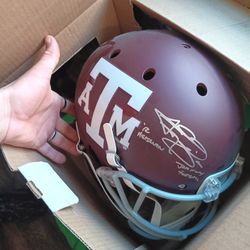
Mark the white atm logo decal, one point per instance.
(116, 79)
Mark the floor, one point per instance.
(25, 222)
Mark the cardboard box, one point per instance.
(222, 26)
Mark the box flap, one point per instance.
(25, 24)
(88, 219)
(47, 185)
(16, 157)
(125, 15)
(22, 32)
(221, 25)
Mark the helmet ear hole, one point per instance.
(201, 89)
(148, 74)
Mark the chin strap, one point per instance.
(114, 160)
(81, 149)
(112, 157)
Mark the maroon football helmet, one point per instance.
(163, 118)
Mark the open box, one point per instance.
(222, 26)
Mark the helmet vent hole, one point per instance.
(115, 53)
(148, 74)
(201, 89)
(186, 46)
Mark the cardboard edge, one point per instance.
(181, 29)
(72, 38)
(237, 69)
(125, 17)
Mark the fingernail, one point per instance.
(48, 41)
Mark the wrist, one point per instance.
(5, 112)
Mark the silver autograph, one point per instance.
(144, 134)
(181, 141)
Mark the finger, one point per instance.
(66, 130)
(48, 151)
(68, 107)
(64, 143)
(50, 57)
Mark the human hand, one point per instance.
(34, 110)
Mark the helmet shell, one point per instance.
(175, 116)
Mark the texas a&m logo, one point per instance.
(139, 94)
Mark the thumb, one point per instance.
(49, 59)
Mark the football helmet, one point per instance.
(161, 128)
